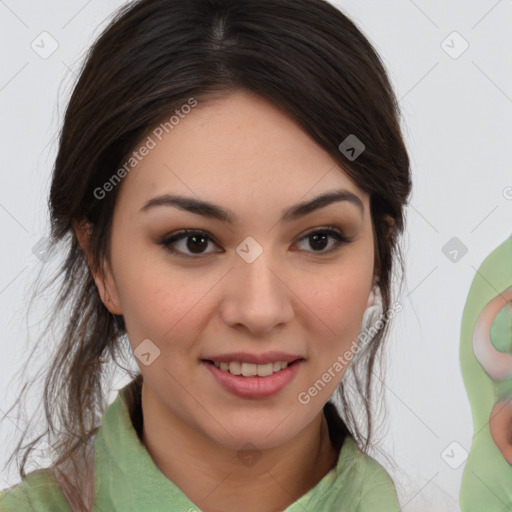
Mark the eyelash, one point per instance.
(186, 233)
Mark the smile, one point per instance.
(253, 380)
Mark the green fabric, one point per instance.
(127, 479)
(487, 478)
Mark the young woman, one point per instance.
(229, 188)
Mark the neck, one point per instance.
(215, 478)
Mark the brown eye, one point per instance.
(319, 239)
(194, 243)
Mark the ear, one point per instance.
(371, 299)
(391, 222)
(103, 277)
(376, 274)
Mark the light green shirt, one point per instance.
(127, 479)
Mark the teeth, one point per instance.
(235, 368)
(265, 369)
(250, 369)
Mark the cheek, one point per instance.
(159, 302)
(335, 316)
(339, 300)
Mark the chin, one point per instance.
(262, 431)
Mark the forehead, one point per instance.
(237, 150)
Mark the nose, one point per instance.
(258, 296)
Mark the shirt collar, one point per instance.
(127, 479)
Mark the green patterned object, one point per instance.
(486, 362)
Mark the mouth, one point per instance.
(250, 380)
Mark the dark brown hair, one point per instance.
(306, 57)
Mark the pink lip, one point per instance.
(245, 357)
(254, 387)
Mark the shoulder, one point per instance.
(376, 490)
(37, 492)
(379, 491)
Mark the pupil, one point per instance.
(195, 238)
(322, 239)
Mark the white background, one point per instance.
(458, 125)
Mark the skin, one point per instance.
(242, 153)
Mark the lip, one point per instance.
(245, 357)
(254, 387)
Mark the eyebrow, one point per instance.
(214, 211)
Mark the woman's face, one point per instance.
(259, 287)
